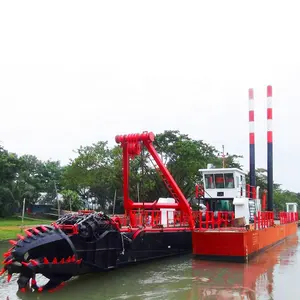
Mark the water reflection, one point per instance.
(271, 275)
(252, 281)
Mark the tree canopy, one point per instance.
(95, 174)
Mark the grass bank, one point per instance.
(10, 227)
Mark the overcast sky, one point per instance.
(74, 72)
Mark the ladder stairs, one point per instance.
(252, 209)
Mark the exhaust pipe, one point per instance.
(251, 140)
(270, 147)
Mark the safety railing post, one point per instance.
(200, 219)
(219, 219)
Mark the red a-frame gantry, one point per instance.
(132, 145)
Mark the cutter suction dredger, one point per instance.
(88, 241)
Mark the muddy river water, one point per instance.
(272, 275)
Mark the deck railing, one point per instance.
(210, 219)
(157, 218)
(264, 219)
(288, 217)
(203, 220)
(141, 218)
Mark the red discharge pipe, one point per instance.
(136, 137)
(154, 205)
(264, 198)
(248, 191)
(253, 192)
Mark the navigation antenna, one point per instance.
(224, 156)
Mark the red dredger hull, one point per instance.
(238, 245)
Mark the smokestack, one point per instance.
(270, 147)
(251, 140)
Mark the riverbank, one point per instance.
(10, 227)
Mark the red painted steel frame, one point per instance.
(131, 145)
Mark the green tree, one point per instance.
(9, 166)
(280, 197)
(184, 157)
(262, 180)
(71, 201)
(36, 176)
(89, 174)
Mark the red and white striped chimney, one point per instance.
(251, 141)
(270, 146)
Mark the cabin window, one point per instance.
(209, 182)
(219, 178)
(229, 181)
(219, 181)
(224, 205)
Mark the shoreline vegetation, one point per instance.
(11, 226)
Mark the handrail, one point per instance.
(264, 219)
(288, 217)
(203, 220)
(154, 218)
(211, 219)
